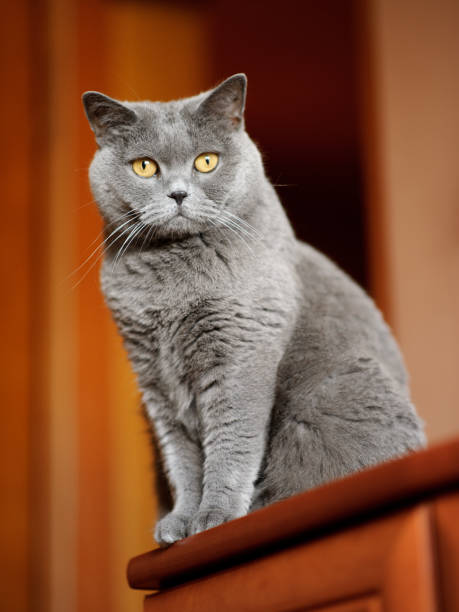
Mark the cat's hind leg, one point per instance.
(352, 418)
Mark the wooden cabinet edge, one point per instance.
(391, 557)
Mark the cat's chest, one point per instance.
(147, 304)
(161, 281)
(155, 304)
(155, 309)
(180, 317)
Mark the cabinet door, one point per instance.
(385, 565)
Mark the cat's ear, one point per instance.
(226, 102)
(108, 118)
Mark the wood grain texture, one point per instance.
(94, 410)
(402, 482)
(60, 318)
(43, 330)
(446, 512)
(387, 557)
(409, 581)
(16, 306)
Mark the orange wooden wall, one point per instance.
(16, 314)
(76, 454)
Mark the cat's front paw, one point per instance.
(171, 528)
(208, 518)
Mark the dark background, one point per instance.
(302, 110)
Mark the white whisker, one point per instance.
(234, 230)
(98, 258)
(137, 226)
(146, 238)
(102, 244)
(245, 223)
(238, 227)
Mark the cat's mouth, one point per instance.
(179, 220)
(183, 212)
(166, 218)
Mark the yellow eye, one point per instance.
(206, 162)
(144, 167)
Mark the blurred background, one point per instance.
(355, 108)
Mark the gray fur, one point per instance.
(264, 369)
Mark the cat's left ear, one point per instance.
(108, 118)
(226, 102)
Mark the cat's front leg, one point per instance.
(234, 415)
(182, 459)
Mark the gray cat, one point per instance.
(264, 369)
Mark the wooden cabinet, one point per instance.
(386, 539)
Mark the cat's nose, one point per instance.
(178, 196)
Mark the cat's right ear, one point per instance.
(108, 118)
(226, 102)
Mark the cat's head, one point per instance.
(172, 168)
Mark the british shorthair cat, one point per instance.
(264, 369)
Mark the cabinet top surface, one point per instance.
(391, 485)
